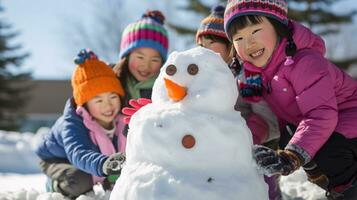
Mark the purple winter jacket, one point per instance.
(311, 93)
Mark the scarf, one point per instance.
(251, 86)
(100, 138)
(134, 86)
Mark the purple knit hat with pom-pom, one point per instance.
(149, 31)
(213, 23)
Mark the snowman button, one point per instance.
(188, 141)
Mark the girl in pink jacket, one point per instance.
(284, 65)
(260, 119)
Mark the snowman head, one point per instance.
(197, 79)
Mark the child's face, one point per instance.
(144, 63)
(215, 46)
(256, 42)
(104, 108)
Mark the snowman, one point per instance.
(190, 143)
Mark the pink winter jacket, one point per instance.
(99, 137)
(311, 93)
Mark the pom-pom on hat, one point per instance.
(276, 9)
(149, 31)
(213, 23)
(92, 77)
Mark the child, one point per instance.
(260, 119)
(284, 65)
(143, 50)
(211, 34)
(75, 160)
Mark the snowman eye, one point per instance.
(192, 69)
(171, 70)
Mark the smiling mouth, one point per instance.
(144, 74)
(108, 114)
(258, 53)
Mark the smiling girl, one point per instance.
(76, 159)
(260, 119)
(143, 50)
(284, 65)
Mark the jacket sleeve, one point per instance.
(80, 150)
(258, 127)
(315, 96)
(256, 124)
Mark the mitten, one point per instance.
(136, 105)
(113, 164)
(272, 162)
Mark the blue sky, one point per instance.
(40, 24)
(43, 25)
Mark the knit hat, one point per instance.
(92, 77)
(213, 24)
(147, 32)
(277, 9)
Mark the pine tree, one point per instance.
(316, 14)
(14, 87)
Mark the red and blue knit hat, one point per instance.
(213, 23)
(276, 9)
(147, 32)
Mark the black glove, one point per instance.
(272, 162)
(113, 164)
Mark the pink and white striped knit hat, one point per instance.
(276, 9)
(146, 32)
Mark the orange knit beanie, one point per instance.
(92, 77)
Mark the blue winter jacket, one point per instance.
(69, 139)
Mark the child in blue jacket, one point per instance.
(77, 157)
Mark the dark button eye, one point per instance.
(171, 70)
(192, 69)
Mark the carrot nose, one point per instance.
(174, 91)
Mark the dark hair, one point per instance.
(242, 22)
(122, 78)
(282, 30)
(234, 66)
(215, 38)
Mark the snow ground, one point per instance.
(21, 178)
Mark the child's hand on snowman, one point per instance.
(272, 162)
(136, 105)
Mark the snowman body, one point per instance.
(197, 147)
